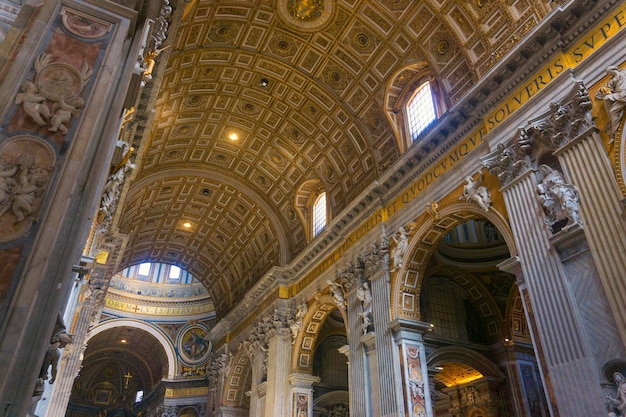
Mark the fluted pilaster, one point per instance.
(585, 162)
(359, 403)
(257, 375)
(278, 368)
(567, 361)
(389, 378)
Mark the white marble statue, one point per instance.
(401, 237)
(337, 292)
(559, 200)
(618, 403)
(613, 95)
(476, 193)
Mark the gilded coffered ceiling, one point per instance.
(310, 89)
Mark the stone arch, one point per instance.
(407, 280)
(306, 341)
(166, 344)
(239, 373)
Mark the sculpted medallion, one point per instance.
(305, 15)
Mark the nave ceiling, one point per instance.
(312, 90)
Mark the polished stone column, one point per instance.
(567, 361)
(586, 165)
(302, 394)
(415, 384)
(278, 369)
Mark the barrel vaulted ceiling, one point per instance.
(311, 88)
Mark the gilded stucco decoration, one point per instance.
(313, 91)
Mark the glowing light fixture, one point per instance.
(123, 341)
(233, 136)
(186, 225)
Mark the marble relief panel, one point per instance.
(40, 127)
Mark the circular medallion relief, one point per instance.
(194, 345)
(305, 15)
(59, 81)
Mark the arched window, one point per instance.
(414, 101)
(420, 110)
(319, 214)
(311, 204)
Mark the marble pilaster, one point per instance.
(359, 404)
(257, 375)
(416, 386)
(277, 398)
(388, 377)
(566, 358)
(302, 394)
(586, 164)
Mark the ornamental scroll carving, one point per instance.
(26, 163)
(53, 99)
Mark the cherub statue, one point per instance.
(364, 295)
(64, 113)
(296, 325)
(474, 192)
(33, 104)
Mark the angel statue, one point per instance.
(474, 192)
(337, 292)
(401, 237)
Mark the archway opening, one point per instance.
(330, 364)
(480, 352)
(121, 374)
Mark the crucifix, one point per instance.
(127, 377)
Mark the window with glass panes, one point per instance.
(319, 214)
(420, 111)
